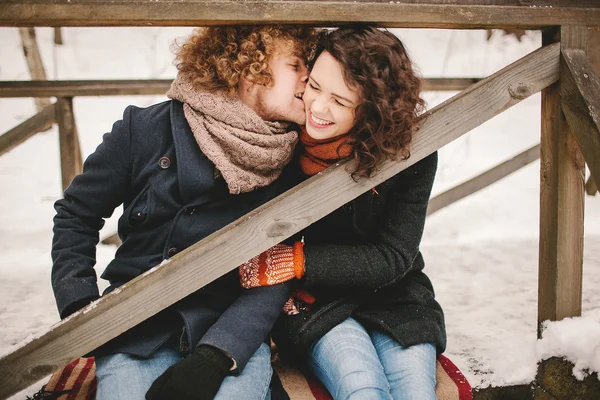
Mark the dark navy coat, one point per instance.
(363, 260)
(151, 163)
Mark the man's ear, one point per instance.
(246, 84)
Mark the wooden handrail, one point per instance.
(15, 89)
(409, 14)
(205, 261)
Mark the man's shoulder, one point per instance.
(154, 109)
(156, 117)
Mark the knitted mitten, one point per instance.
(278, 264)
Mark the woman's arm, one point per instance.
(392, 250)
(92, 196)
(242, 328)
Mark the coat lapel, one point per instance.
(195, 170)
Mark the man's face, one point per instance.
(283, 101)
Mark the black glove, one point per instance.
(196, 377)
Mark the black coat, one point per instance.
(151, 163)
(363, 260)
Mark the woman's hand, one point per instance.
(278, 264)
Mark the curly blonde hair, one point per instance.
(216, 58)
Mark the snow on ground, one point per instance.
(481, 252)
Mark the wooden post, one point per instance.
(58, 35)
(34, 61)
(561, 202)
(70, 153)
(590, 186)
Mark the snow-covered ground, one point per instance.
(481, 253)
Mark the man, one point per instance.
(182, 170)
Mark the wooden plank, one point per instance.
(484, 180)
(70, 153)
(264, 227)
(560, 291)
(580, 102)
(550, 128)
(590, 187)
(58, 39)
(434, 14)
(34, 62)
(38, 123)
(15, 89)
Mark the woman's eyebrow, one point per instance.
(333, 94)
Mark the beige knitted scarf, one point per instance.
(248, 151)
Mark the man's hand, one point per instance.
(196, 377)
(278, 264)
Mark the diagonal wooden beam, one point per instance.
(407, 14)
(580, 102)
(590, 186)
(26, 129)
(264, 227)
(484, 179)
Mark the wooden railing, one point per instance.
(570, 135)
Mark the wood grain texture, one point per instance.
(560, 290)
(224, 250)
(580, 102)
(16, 89)
(483, 180)
(431, 14)
(70, 154)
(38, 123)
(34, 62)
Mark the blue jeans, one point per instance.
(355, 364)
(123, 377)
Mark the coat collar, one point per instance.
(196, 172)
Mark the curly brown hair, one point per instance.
(216, 58)
(376, 65)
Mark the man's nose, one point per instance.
(304, 75)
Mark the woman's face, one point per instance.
(330, 103)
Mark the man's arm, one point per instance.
(92, 196)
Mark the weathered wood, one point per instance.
(562, 201)
(483, 180)
(70, 153)
(34, 62)
(58, 36)
(550, 127)
(433, 14)
(580, 102)
(26, 129)
(14, 89)
(555, 381)
(264, 227)
(590, 186)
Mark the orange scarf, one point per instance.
(318, 155)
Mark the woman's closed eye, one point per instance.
(313, 87)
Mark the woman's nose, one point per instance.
(319, 104)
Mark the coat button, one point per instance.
(172, 251)
(164, 162)
(189, 210)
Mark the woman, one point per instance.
(375, 328)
